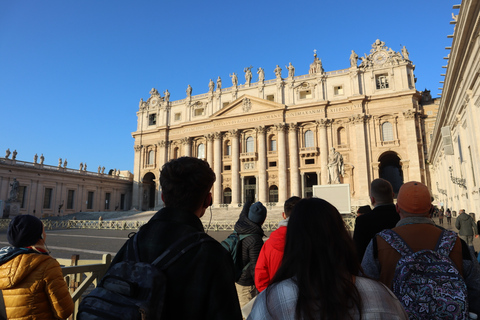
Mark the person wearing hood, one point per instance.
(467, 228)
(31, 280)
(250, 222)
(272, 251)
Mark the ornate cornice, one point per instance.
(209, 137)
(293, 127)
(281, 126)
(217, 135)
(138, 147)
(261, 130)
(186, 140)
(323, 123)
(409, 114)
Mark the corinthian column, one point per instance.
(262, 164)
(282, 163)
(187, 146)
(163, 153)
(361, 164)
(236, 188)
(322, 125)
(294, 166)
(209, 139)
(217, 145)
(412, 145)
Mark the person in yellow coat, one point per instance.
(31, 280)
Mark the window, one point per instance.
(273, 194)
(152, 119)
(151, 156)
(225, 104)
(199, 112)
(227, 168)
(382, 81)
(122, 201)
(272, 164)
(341, 136)
(250, 146)
(270, 97)
(387, 131)
(90, 200)
(201, 151)
(307, 94)
(47, 198)
(309, 161)
(273, 144)
(70, 199)
(228, 150)
(107, 201)
(227, 196)
(338, 90)
(309, 143)
(22, 192)
(177, 116)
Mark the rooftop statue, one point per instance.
(261, 74)
(316, 66)
(234, 79)
(35, 158)
(211, 86)
(405, 53)
(278, 72)
(167, 95)
(14, 155)
(291, 70)
(189, 91)
(219, 84)
(42, 158)
(7, 153)
(248, 75)
(353, 59)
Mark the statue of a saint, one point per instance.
(14, 155)
(35, 158)
(59, 162)
(14, 190)
(154, 92)
(85, 167)
(405, 53)
(234, 79)
(189, 91)
(278, 72)
(211, 86)
(103, 170)
(335, 167)
(42, 158)
(167, 95)
(291, 70)
(219, 84)
(248, 75)
(261, 74)
(81, 166)
(316, 65)
(65, 163)
(99, 169)
(7, 153)
(353, 59)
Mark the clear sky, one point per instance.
(72, 72)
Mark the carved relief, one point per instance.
(261, 129)
(247, 105)
(293, 127)
(217, 135)
(323, 123)
(138, 147)
(281, 126)
(186, 140)
(409, 114)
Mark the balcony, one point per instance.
(248, 156)
(309, 152)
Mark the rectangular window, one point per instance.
(47, 198)
(199, 112)
(90, 200)
(272, 164)
(225, 104)
(107, 201)
(228, 150)
(227, 168)
(22, 193)
(307, 94)
(309, 161)
(273, 145)
(338, 90)
(270, 97)
(178, 116)
(152, 119)
(382, 81)
(70, 199)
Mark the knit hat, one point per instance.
(414, 197)
(257, 213)
(24, 230)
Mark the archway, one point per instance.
(391, 170)
(250, 189)
(148, 200)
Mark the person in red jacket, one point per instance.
(271, 254)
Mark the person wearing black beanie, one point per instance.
(31, 280)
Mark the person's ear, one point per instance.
(208, 200)
(284, 215)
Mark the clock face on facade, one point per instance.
(380, 58)
(153, 102)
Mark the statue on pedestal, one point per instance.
(405, 53)
(81, 166)
(234, 79)
(291, 70)
(261, 74)
(353, 59)
(65, 163)
(189, 91)
(278, 72)
(14, 191)
(35, 158)
(167, 95)
(248, 75)
(335, 167)
(42, 158)
(59, 162)
(219, 84)
(7, 153)
(14, 155)
(211, 86)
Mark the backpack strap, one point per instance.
(396, 242)
(131, 250)
(243, 236)
(446, 242)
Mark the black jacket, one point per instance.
(201, 283)
(251, 245)
(369, 224)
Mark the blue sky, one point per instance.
(72, 72)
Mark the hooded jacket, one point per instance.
(466, 225)
(251, 245)
(270, 256)
(33, 286)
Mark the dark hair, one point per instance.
(364, 209)
(186, 182)
(289, 204)
(381, 190)
(320, 257)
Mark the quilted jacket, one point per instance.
(33, 286)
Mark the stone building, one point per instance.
(455, 149)
(43, 190)
(270, 139)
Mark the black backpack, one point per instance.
(233, 244)
(132, 289)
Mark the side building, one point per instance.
(455, 149)
(271, 139)
(43, 190)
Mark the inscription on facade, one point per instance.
(249, 165)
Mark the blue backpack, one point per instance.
(426, 282)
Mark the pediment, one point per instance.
(246, 105)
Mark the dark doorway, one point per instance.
(148, 191)
(250, 189)
(227, 196)
(310, 181)
(391, 170)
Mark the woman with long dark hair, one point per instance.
(317, 278)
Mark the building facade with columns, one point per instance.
(268, 140)
(455, 149)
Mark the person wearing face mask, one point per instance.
(31, 280)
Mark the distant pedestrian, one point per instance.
(467, 228)
(448, 214)
(441, 214)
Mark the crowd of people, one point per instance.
(309, 268)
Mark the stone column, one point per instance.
(361, 163)
(209, 139)
(217, 192)
(282, 163)
(302, 175)
(405, 169)
(187, 146)
(294, 163)
(322, 125)
(236, 189)
(262, 165)
(162, 158)
(376, 170)
(138, 185)
(412, 145)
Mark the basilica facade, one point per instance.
(270, 139)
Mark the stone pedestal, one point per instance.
(12, 208)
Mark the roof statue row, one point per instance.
(379, 55)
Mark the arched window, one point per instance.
(273, 144)
(341, 136)
(228, 148)
(273, 194)
(151, 156)
(309, 142)
(250, 146)
(201, 151)
(387, 131)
